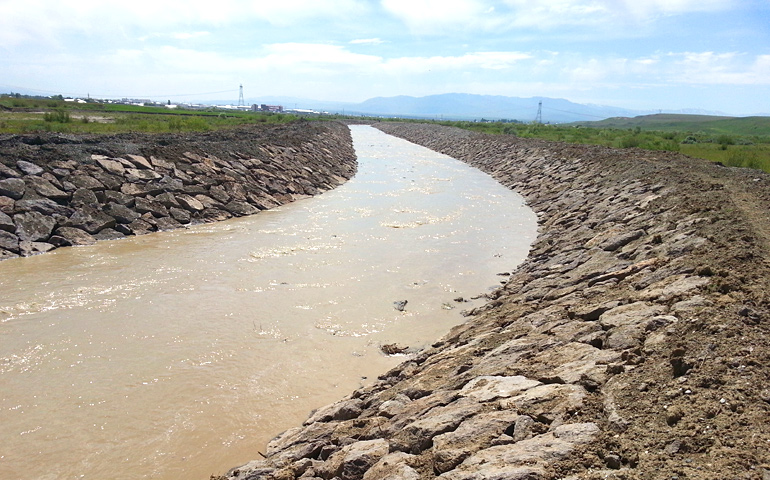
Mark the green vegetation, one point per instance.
(28, 115)
(730, 141)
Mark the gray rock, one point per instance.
(110, 181)
(13, 188)
(240, 209)
(109, 234)
(44, 206)
(135, 174)
(44, 188)
(144, 205)
(9, 241)
(352, 461)
(91, 220)
(139, 161)
(119, 198)
(8, 172)
(141, 227)
(33, 226)
(166, 223)
(85, 181)
(6, 254)
(135, 189)
(417, 436)
(27, 249)
(517, 460)
(121, 213)
(168, 200)
(29, 168)
(344, 410)
(66, 236)
(475, 433)
(394, 466)
(181, 216)
(189, 203)
(84, 196)
(7, 205)
(111, 166)
(488, 388)
(6, 223)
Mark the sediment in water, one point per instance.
(632, 343)
(60, 190)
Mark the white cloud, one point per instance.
(367, 41)
(709, 68)
(33, 20)
(440, 16)
(443, 16)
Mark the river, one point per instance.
(180, 354)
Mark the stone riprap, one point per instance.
(632, 343)
(62, 190)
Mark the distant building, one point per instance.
(267, 108)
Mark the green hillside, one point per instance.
(707, 124)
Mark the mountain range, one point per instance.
(463, 106)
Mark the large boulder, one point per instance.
(67, 236)
(33, 226)
(9, 241)
(6, 223)
(13, 188)
(29, 168)
(45, 188)
(44, 206)
(121, 213)
(91, 220)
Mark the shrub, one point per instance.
(630, 142)
(57, 116)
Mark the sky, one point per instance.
(638, 54)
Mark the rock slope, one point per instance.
(632, 343)
(62, 190)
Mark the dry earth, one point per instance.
(631, 344)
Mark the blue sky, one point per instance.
(639, 54)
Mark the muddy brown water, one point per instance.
(180, 354)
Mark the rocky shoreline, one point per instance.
(632, 343)
(61, 190)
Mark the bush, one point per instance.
(690, 140)
(725, 140)
(630, 142)
(57, 116)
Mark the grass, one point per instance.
(29, 115)
(731, 144)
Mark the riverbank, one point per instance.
(62, 190)
(632, 343)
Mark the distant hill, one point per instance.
(713, 124)
(463, 106)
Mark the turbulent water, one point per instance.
(179, 354)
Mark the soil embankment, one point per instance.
(61, 190)
(632, 343)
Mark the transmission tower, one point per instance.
(539, 117)
(241, 101)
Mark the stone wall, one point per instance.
(632, 343)
(63, 190)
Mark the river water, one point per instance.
(180, 354)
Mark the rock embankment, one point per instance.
(632, 343)
(63, 190)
